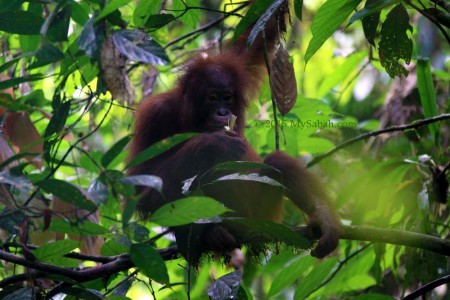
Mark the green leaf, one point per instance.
(79, 13)
(54, 249)
(290, 273)
(139, 46)
(339, 75)
(427, 95)
(115, 150)
(314, 145)
(160, 147)
(16, 81)
(315, 278)
(67, 192)
(395, 43)
(148, 260)
(144, 10)
(253, 14)
(112, 6)
(58, 28)
(47, 54)
(327, 20)
(112, 248)
(14, 61)
(192, 16)
(187, 210)
(159, 20)
(74, 226)
(298, 7)
(10, 5)
(20, 22)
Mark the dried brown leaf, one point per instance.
(282, 81)
(23, 134)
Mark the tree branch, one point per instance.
(413, 125)
(428, 287)
(123, 262)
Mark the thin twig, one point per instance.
(414, 125)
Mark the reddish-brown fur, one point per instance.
(184, 109)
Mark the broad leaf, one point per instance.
(148, 260)
(115, 150)
(327, 20)
(395, 43)
(20, 22)
(68, 193)
(74, 226)
(47, 54)
(112, 6)
(187, 210)
(290, 273)
(160, 147)
(54, 249)
(144, 10)
(298, 7)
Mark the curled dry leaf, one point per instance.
(282, 81)
(115, 73)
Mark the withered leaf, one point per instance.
(282, 81)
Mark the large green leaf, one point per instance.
(67, 192)
(148, 260)
(16, 81)
(290, 273)
(54, 249)
(395, 43)
(160, 147)
(47, 54)
(115, 150)
(315, 278)
(190, 17)
(73, 226)
(298, 7)
(111, 7)
(20, 22)
(143, 10)
(327, 20)
(187, 210)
